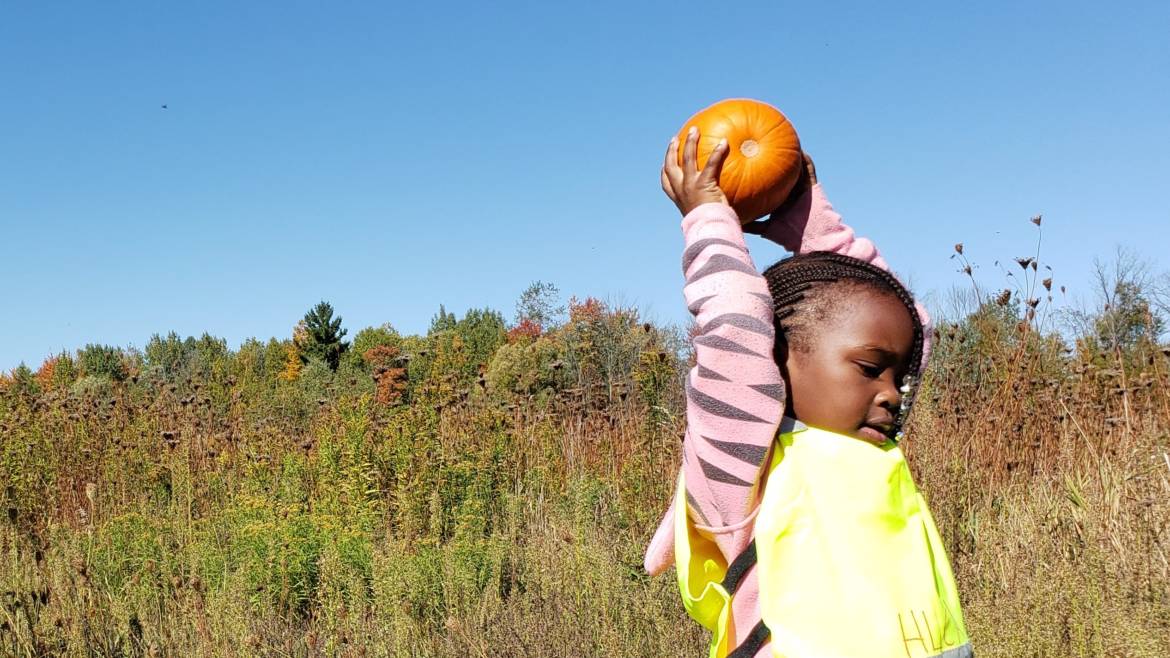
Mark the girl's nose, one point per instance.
(889, 397)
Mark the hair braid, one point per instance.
(794, 284)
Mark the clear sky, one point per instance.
(390, 157)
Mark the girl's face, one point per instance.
(846, 374)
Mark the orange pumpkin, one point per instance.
(764, 160)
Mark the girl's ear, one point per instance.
(780, 352)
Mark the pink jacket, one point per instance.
(735, 396)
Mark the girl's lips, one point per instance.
(873, 435)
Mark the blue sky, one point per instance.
(390, 157)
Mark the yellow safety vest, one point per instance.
(849, 561)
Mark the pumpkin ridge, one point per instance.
(776, 127)
(754, 119)
(739, 174)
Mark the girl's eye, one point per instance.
(870, 370)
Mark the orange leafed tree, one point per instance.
(589, 310)
(45, 373)
(524, 330)
(389, 379)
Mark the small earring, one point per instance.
(907, 391)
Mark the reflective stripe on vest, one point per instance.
(849, 561)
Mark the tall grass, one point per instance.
(208, 515)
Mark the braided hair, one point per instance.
(799, 284)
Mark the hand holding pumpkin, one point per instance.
(775, 227)
(686, 185)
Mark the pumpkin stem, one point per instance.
(750, 148)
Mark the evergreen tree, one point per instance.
(442, 321)
(102, 360)
(482, 331)
(24, 381)
(323, 336)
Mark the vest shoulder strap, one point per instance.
(751, 645)
(739, 567)
(735, 573)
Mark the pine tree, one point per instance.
(323, 336)
(442, 321)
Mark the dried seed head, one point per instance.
(1004, 297)
(1037, 219)
(1047, 283)
(959, 248)
(1024, 262)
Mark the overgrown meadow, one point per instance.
(487, 489)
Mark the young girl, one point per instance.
(796, 528)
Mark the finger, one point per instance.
(671, 159)
(689, 148)
(667, 187)
(810, 168)
(715, 162)
(671, 172)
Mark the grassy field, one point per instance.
(492, 495)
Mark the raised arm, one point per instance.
(734, 392)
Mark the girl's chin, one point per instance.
(872, 435)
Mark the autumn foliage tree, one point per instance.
(526, 329)
(389, 376)
(294, 357)
(56, 372)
